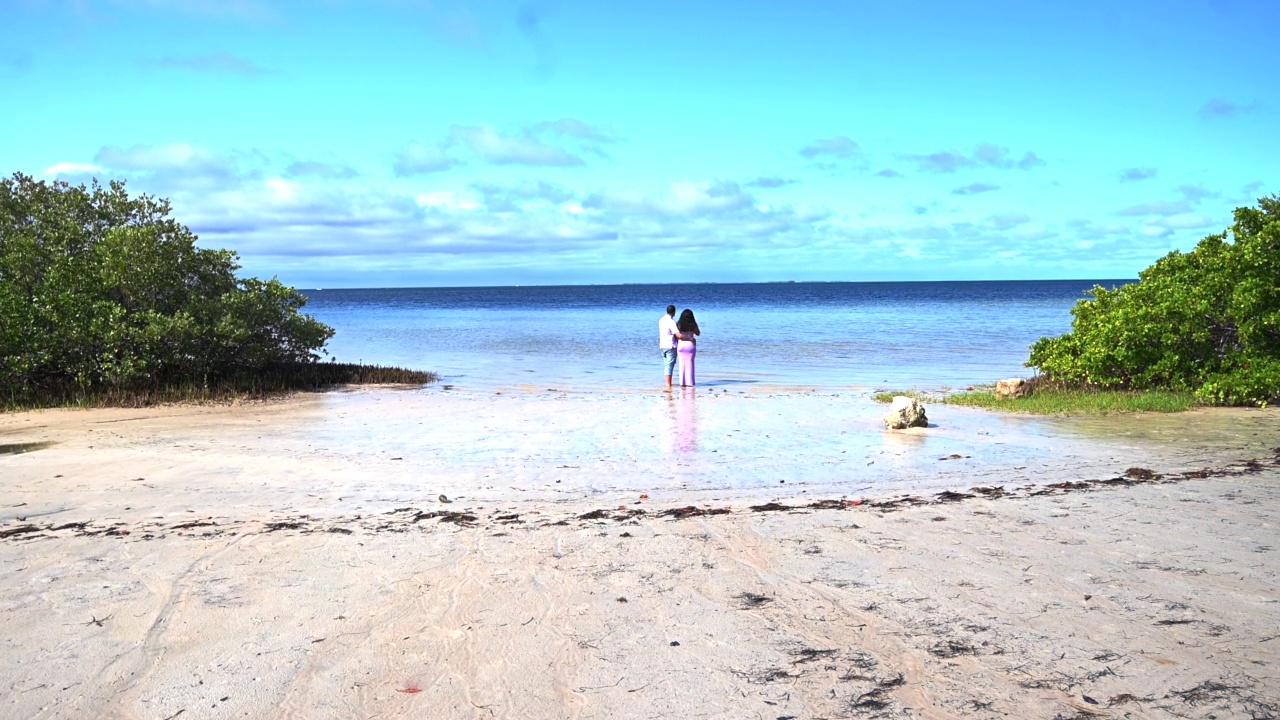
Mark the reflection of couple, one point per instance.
(678, 340)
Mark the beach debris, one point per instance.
(457, 518)
(771, 507)
(675, 643)
(557, 552)
(952, 496)
(952, 648)
(689, 511)
(833, 504)
(1012, 388)
(20, 530)
(622, 599)
(905, 412)
(765, 676)
(873, 699)
(444, 498)
(808, 655)
(752, 600)
(73, 526)
(897, 503)
(186, 525)
(282, 525)
(862, 660)
(1138, 473)
(20, 448)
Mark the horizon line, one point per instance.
(714, 282)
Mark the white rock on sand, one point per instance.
(905, 412)
(1011, 388)
(213, 587)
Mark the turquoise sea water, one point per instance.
(824, 335)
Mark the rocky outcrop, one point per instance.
(905, 412)
(1012, 388)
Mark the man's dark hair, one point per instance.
(671, 309)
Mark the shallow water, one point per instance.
(374, 450)
(825, 335)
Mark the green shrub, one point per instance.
(100, 291)
(1206, 321)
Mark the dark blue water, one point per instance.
(919, 334)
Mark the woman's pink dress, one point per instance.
(686, 351)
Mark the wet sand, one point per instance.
(299, 559)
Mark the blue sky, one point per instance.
(338, 143)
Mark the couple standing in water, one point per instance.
(678, 340)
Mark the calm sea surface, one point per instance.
(891, 335)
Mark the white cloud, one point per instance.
(502, 149)
(418, 159)
(838, 147)
(68, 168)
(1184, 221)
(175, 156)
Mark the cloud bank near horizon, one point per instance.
(513, 141)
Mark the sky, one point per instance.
(381, 143)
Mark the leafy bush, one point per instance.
(1207, 321)
(100, 291)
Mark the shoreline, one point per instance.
(295, 559)
(399, 520)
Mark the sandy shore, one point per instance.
(296, 559)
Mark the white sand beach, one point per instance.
(544, 553)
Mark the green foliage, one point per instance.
(262, 382)
(103, 292)
(1207, 321)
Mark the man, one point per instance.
(667, 336)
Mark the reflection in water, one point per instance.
(687, 420)
(896, 440)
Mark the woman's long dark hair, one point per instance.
(687, 323)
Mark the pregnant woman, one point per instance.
(687, 347)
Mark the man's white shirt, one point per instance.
(666, 331)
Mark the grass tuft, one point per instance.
(887, 396)
(274, 380)
(1062, 401)
(1051, 398)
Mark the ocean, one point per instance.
(890, 335)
